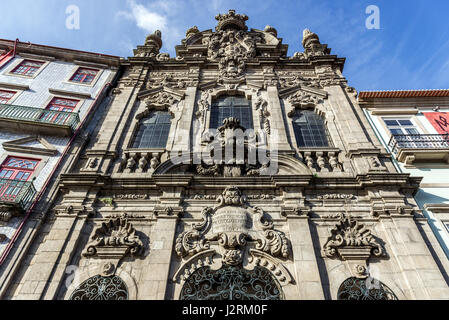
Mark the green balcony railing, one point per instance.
(38, 115)
(17, 192)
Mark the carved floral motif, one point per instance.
(115, 233)
(303, 100)
(349, 233)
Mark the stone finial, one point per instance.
(271, 30)
(192, 31)
(231, 20)
(154, 39)
(309, 37)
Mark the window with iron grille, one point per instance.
(5, 96)
(310, 131)
(231, 107)
(59, 104)
(101, 288)
(153, 131)
(84, 75)
(27, 68)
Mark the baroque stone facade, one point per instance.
(154, 221)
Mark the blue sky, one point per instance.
(409, 51)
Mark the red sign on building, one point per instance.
(439, 120)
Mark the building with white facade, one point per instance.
(47, 95)
(414, 126)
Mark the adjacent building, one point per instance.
(47, 97)
(414, 126)
(232, 171)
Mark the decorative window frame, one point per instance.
(131, 135)
(76, 68)
(63, 96)
(8, 70)
(43, 160)
(143, 110)
(219, 92)
(136, 126)
(321, 109)
(16, 94)
(328, 135)
(413, 118)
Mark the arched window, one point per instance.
(231, 107)
(101, 288)
(364, 289)
(231, 283)
(309, 129)
(153, 131)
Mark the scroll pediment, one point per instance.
(284, 93)
(158, 94)
(160, 99)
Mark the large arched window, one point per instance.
(153, 131)
(231, 107)
(364, 289)
(231, 283)
(310, 131)
(101, 288)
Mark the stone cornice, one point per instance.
(401, 181)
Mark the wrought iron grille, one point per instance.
(357, 289)
(418, 141)
(101, 288)
(16, 191)
(231, 283)
(37, 115)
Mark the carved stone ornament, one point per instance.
(153, 43)
(161, 99)
(176, 80)
(312, 46)
(351, 240)
(264, 115)
(231, 44)
(233, 224)
(233, 146)
(114, 239)
(304, 100)
(231, 20)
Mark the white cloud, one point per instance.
(155, 17)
